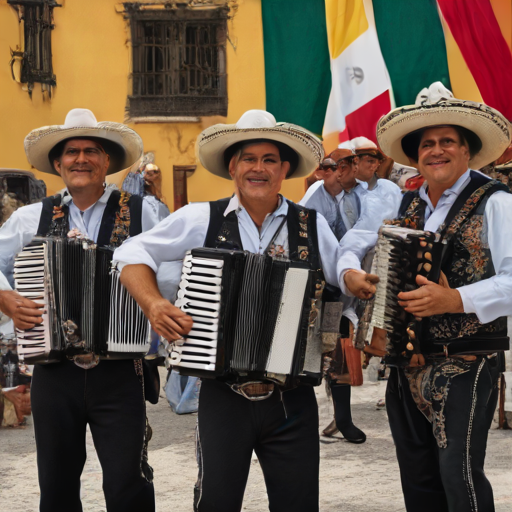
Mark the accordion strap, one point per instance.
(475, 191)
(223, 232)
(53, 217)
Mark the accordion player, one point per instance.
(400, 255)
(254, 317)
(86, 309)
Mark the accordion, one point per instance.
(87, 310)
(400, 255)
(254, 318)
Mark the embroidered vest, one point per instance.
(467, 259)
(223, 232)
(122, 218)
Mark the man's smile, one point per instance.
(257, 181)
(438, 162)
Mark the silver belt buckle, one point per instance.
(240, 389)
(86, 361)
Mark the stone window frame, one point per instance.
(181, 81)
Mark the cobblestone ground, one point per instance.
(353, 478)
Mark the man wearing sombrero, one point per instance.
(68, 395)
(441, 449)
(280, 426)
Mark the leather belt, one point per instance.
(254, 390)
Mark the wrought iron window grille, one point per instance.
(36, 58)
(179, 61)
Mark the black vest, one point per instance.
(466, 260)
(223, 232)
(107, 221)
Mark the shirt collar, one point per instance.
(357, 188)
(67, 198)
(234, 205)
(455, 189)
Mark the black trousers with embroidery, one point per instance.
(65, 398)
(230, 427)
(450, 479)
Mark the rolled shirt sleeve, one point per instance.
(353, 248)
(169, 240)
(15, 234)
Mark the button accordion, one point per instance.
(400, 255)
(254, 318)
(87, 310)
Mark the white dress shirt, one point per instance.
(377, 205)
(488, 299)
(186, 229)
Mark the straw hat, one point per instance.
(123, 145)
(215, 145)
(436, 106)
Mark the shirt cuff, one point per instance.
(467, 301)
(351, 315)
(343, 288)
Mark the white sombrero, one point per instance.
(123, 145)
(436, 106)
(213, 142)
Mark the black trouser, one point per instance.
(65, 398)
(230, 427)
(452, 478)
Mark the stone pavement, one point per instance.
(353, 478)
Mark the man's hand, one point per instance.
(431, 298)
(21, 401)
(168, 320)
(25, 313)
(361, 285)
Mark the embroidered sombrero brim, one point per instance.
(488, 124)
(213, 142)
(124, 145)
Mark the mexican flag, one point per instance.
(336, 66)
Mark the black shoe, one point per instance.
(352, 434)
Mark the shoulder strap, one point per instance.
(302, 235)
(223, 232)
(108, 219)
(475, 191)
(407, 199)
(477, 181)
(135, 205)
(47, 214)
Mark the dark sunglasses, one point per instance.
(328, 164)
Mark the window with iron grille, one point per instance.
(179, 62)
(37, 17)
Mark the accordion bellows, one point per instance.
(253, 317)
(86, 307)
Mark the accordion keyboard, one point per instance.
(29, 278)
(199, 296)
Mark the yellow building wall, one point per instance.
(91, 60)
